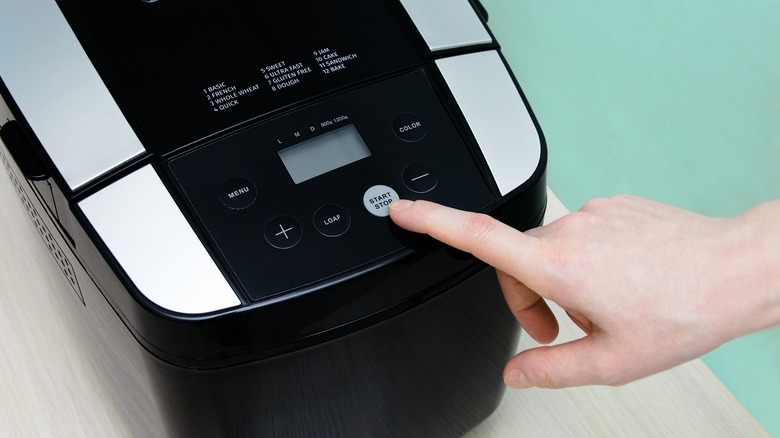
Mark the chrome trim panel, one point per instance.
(496, 115)
(60, 93)
(148, 235)
(447, 24)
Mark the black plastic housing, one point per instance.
(411, 343)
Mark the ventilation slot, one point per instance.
(48, 238)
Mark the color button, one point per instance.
(409, 127)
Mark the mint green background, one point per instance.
(677, 101)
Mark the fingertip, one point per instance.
(400, 205)
(553, 367)
(543, 327)
(516, 379)
(529, 308)
(400, 215)
(531, 368)
(545, 335)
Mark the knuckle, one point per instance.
(596, 204)
(600, 203)
(607, 371)
(549, 375)
(575, 220)
(590, 217)
(620, 197)
(609, 377)
(478, 227)
(550, 381)
(556, 258)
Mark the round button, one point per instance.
(420, 178)
(409, 127)
(238, 193)
(283, 232)
(377, 200)
(332, 220)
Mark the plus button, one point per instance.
(283, 232)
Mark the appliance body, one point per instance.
(214, 182)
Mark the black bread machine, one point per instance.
(213, 178)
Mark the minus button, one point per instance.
(420, 178)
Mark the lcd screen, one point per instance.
(322, 154)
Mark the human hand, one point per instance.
(651, 286)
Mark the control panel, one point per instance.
(305, 197)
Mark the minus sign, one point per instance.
(420, 177)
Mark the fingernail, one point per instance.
(401, 205)
(516, 379)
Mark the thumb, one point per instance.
(576, 363)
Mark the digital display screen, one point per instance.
(322, 154)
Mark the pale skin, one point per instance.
(651, 286)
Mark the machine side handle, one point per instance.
(21, 149)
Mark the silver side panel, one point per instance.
(496, 114)
(447, 24)
(150, 238)
(60, 93)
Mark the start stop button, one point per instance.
(377, 200)
(409, 127)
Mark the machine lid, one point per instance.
(60, 93)
(189, 69)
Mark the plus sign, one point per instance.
(284, 231)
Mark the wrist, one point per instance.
(763, 246)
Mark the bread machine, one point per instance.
(213, 179)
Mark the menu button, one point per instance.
(238, 193)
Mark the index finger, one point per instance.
(489, 240)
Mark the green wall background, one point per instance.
(675, 101)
